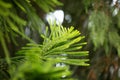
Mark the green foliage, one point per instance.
(103, 32)
(28, 8)
(38, 61)
(87, 3)
(98, 25)
(16, 14)
(100, 19)
(11, 22)
(58, 47)
(114, 39)
(47, 5)
(39, 70)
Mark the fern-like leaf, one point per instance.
(59, 45)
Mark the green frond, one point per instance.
(99, 24)
(63, 42)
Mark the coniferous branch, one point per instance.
(59, 44)
(40, 59)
